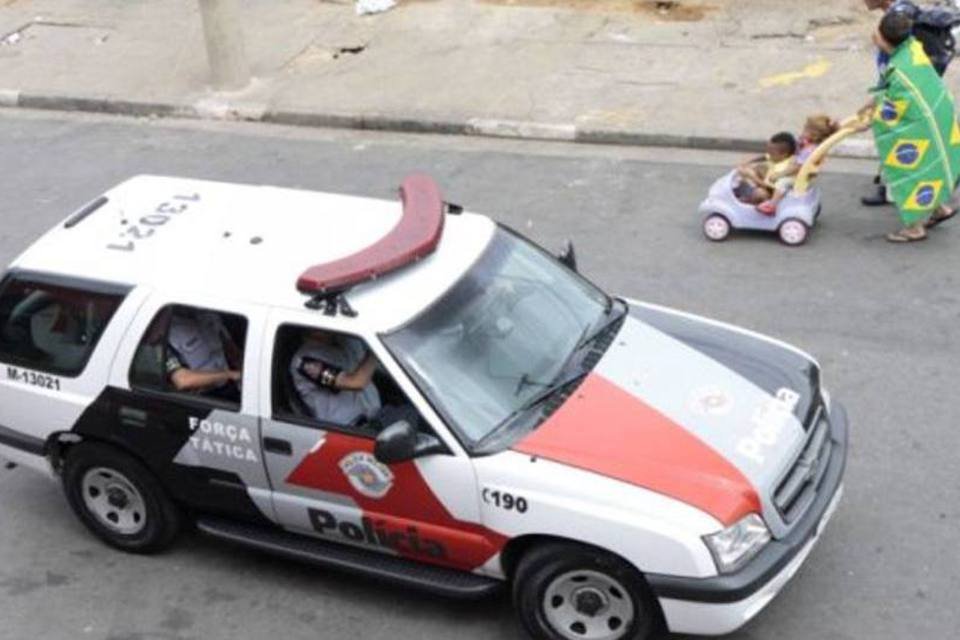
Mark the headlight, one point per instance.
(735, 545)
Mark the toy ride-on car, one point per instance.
(796, 214)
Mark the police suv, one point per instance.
(413, 393)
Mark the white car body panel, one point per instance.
(653, 531)
(38, 412)
(708, 619)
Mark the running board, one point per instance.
(432, 579)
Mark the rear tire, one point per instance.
(573, 592)
(716, 227)
(118, 499)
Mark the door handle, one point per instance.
(130, 417)
(274, 445)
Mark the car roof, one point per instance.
(249, 243)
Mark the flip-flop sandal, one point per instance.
(935, 219)
(901, 238)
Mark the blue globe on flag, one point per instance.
(925, 195)
(888, 112)
(907, 153)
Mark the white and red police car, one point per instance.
(625, 467)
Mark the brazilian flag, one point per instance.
(916, 132)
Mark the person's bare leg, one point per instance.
(760, 194)
(910, 233)
(942, 214)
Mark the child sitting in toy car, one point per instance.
(761, 177)
(768, 179)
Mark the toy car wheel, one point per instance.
(716, 227)
(118, 499)
(572, 592)
(793, 232)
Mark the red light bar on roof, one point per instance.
(414, 237)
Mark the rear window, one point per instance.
(50, 327)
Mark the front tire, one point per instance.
(573, 592)
(716, 227)
(118, 499)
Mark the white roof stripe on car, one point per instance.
(249, 242)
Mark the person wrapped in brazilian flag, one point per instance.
(916, 132)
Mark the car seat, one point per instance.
(58, 330)
(148, 368)
(287, 399)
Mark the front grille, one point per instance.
(799, 487)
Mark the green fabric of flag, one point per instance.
(916, 133)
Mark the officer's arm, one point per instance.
(360, 377)
(184, 379)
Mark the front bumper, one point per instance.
(721, 604)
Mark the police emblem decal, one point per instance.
(368, 476)
(711, 401)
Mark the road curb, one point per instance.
(97, 104)
(863, 148)
(495, 128)
(596, 135)
(368, 122)
(9, 98)
(215, 108)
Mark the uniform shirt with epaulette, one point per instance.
(196, 342)
(323, 400)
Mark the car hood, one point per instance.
(705, 413)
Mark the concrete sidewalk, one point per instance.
(711, 74)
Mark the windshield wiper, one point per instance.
(550, 391)
(586, 339)
(531, 404)
(526, 381)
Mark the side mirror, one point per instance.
(401, 441)
(568, 256)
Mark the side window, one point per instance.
(52, 328)
(192, 351)
(332, 380)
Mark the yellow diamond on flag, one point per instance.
(890, 112)
(907, 154)
(955, 133)
(920, 57)
(924, 196)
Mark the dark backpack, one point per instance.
(933, 26)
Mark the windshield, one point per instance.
(501, 337)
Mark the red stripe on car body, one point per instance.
(604, 429)
(409, 503)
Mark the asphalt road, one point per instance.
(884, 320)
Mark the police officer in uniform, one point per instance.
(334, 378)
(202, 356)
